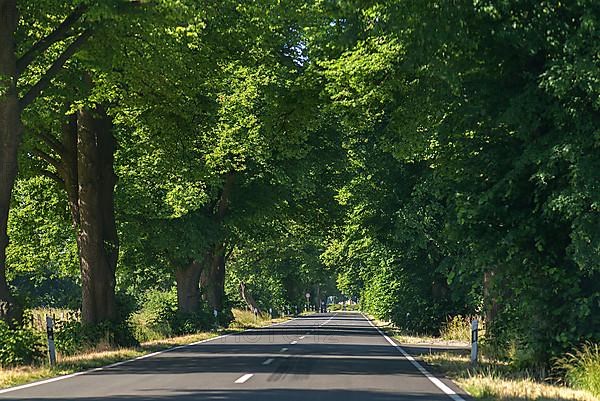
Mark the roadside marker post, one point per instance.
(51, 346)
(216, 315)
(474, 339)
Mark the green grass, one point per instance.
(495, 381)
(457, 328)
(582, 368)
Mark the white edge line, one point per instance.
(437, 382)
(244, 378)
(113, 365)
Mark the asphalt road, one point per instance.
(334, 357)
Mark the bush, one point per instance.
(159, 317)
(74, 337)
(19, 346)
(582, 368)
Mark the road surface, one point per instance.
(334, 357)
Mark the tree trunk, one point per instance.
(248, 298)
(188, 287)
(489, 298)
(10, 139)
(212, 279)
(97, 234)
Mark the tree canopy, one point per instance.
(427, 159)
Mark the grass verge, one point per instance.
(493, 381)
(10, 377)
(490, 380)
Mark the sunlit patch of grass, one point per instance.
(582, 368)
(457, 328)
(495, 381)
(20, 375)
(415, 339)
(246, 319)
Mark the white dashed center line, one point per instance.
(283, 349)
(244, 378)
(268, 361)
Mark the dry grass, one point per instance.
(245, 319)
(490, 388)
(457, 328)
(67, 365)
(493, 381)
(104, 355)
(405, 338)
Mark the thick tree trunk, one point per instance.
(212, 279)
(10, 138)
(188, 287)
(97, 234)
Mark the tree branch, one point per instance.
(51, 142)
(61, 32)
(53, 176)
(45, 80)
(225, 196)
(48, 159)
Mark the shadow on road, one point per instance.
(262, 395)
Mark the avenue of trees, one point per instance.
(434, 158)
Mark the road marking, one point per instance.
(302, 337)
(283, 349)
(85, 372)
(268, 361)
(294, 342)
(244, 378)
(438, 383)
(328, 320)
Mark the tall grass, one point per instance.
(582, 368)
(457, 328)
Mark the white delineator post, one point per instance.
(51, 346)
(474, 347)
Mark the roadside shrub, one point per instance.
(19, 346)
(74, 337)
(159, 318)
(582, 368)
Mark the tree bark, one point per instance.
(248, 298)
(489, 298)
(10, 139)
(97, 235)
(188, 287)
(212, 278)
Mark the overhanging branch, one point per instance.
(61, 32)
(51, 142)
(45, 80)
(48, 159)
